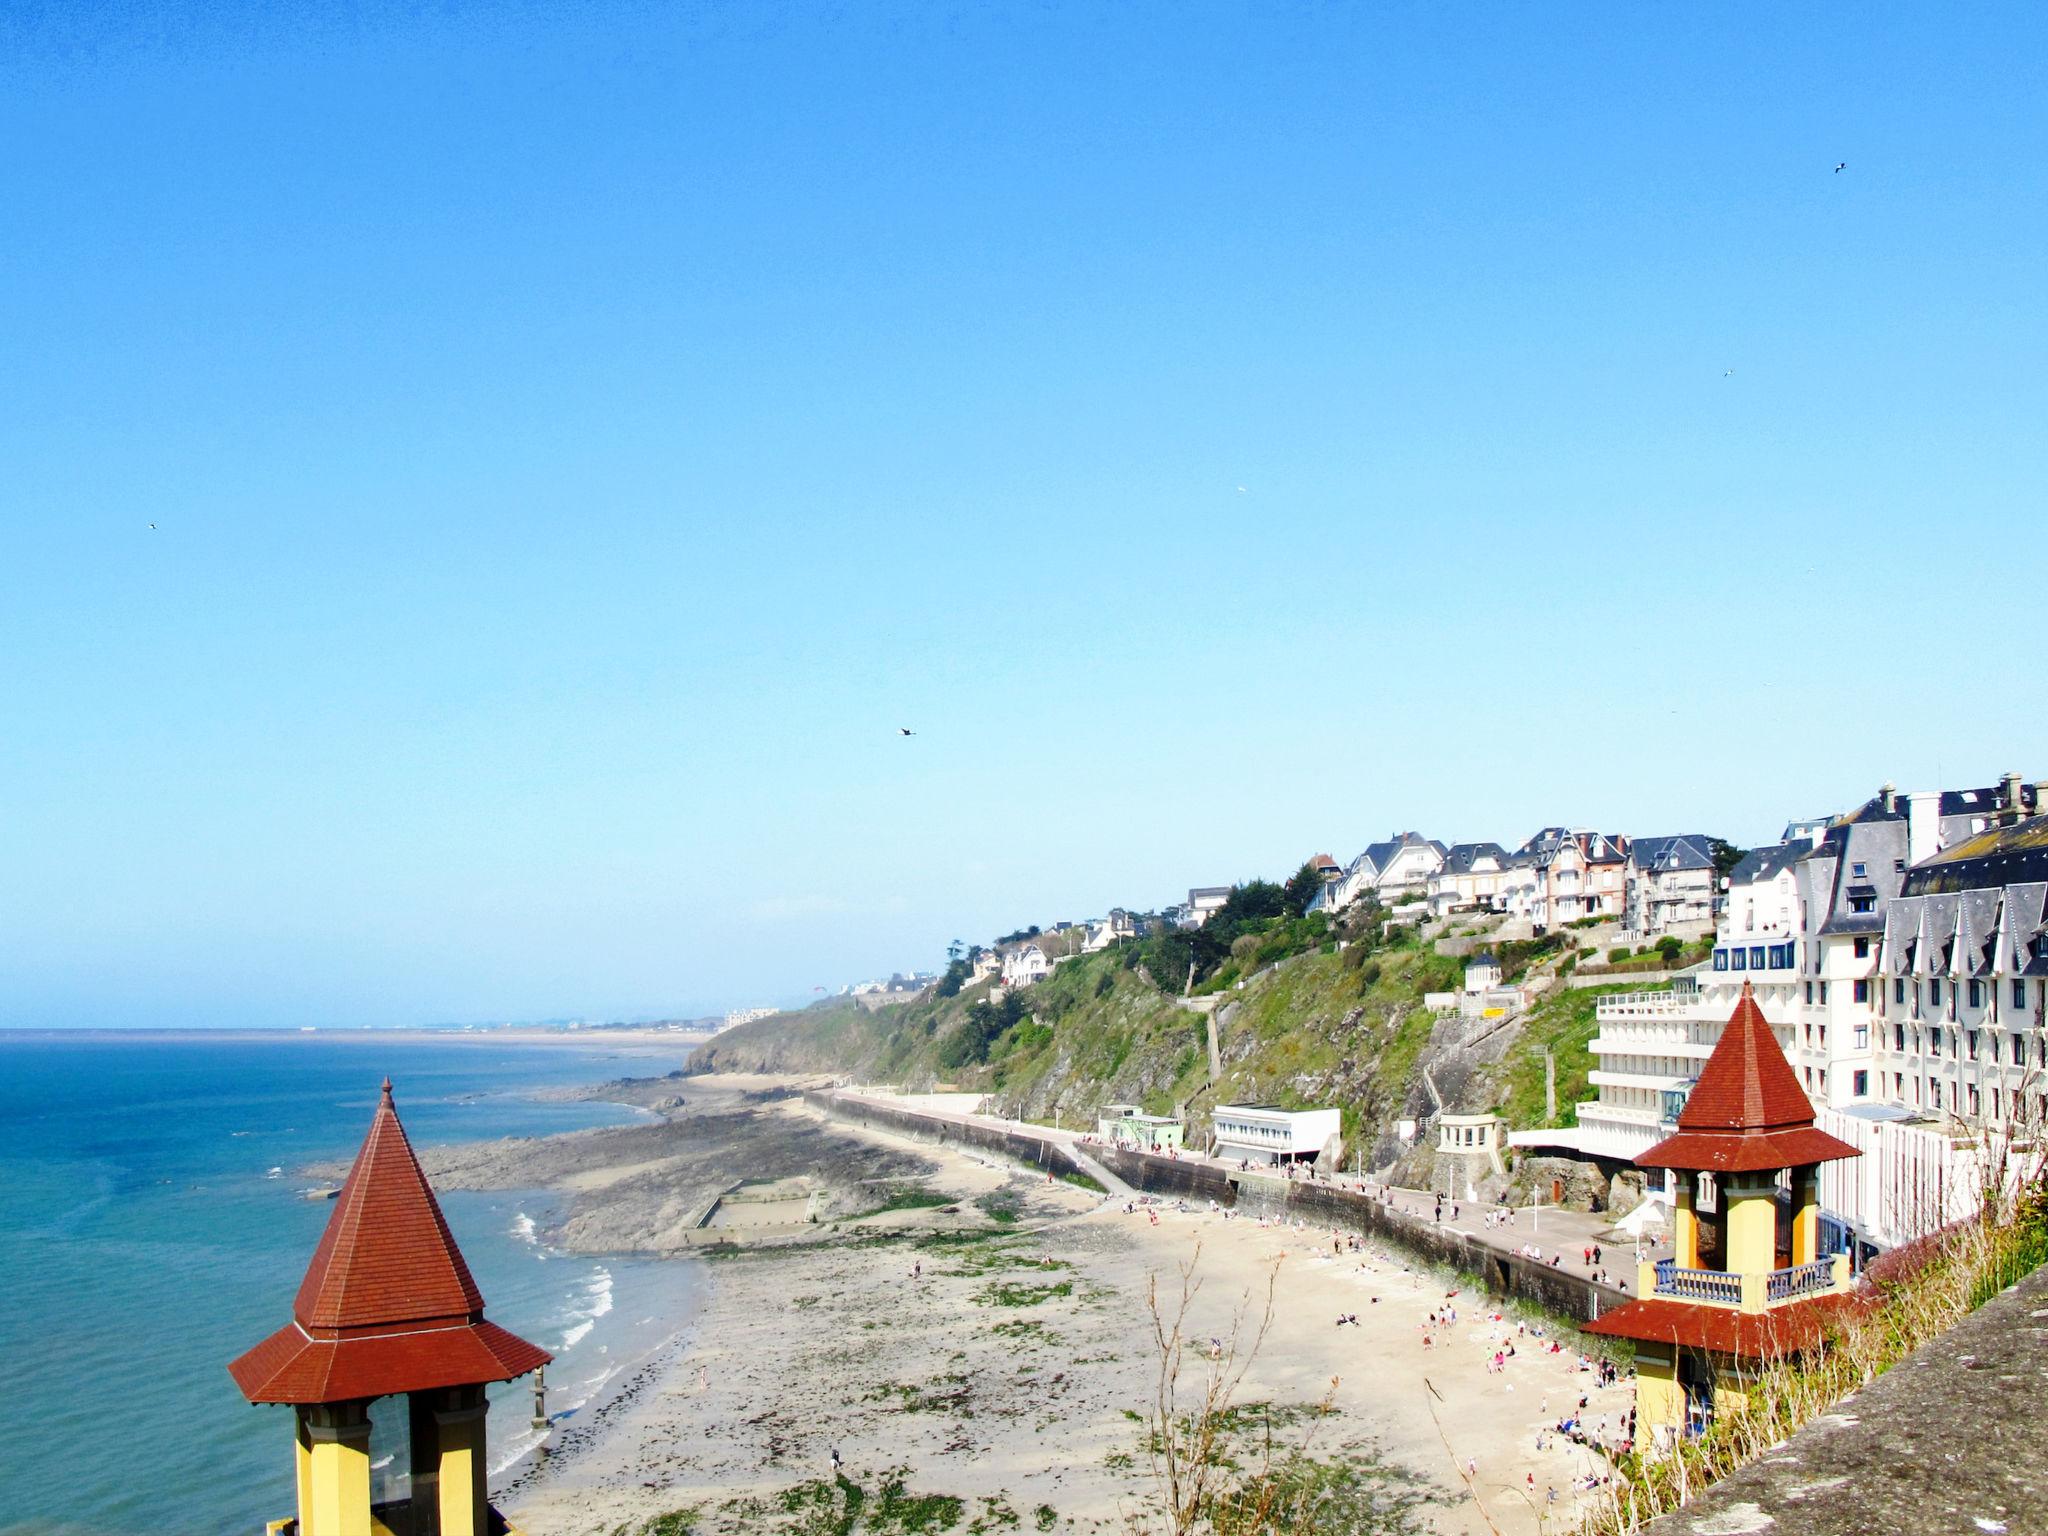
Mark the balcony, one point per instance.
(1815, 1279)
(1713, 1285)
(1751, 1293)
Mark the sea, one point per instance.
(155, 1222)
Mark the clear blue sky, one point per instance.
(577, 441)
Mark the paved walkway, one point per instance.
(1560, 1234)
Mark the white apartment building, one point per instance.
(1852, 935)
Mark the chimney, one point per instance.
(1888, 797)
(1923, 825)
(2014, 799)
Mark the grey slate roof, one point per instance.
(1461, 857)
(1769, 862)
(1683, 850)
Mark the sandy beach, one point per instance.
(988, 1361)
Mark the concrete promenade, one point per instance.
(1556, 1234)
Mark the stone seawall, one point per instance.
(1502, 1271)
(1040, 1151)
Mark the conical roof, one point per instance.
(387, 1305)
(1747, 1111)
(386, 1256)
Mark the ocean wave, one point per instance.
(594, 1302)
(522, 1228)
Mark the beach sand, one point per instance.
(1010, 1364)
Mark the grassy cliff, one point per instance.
(1332, 1024)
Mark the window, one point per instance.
(1756, 957)
(1823, 1039)
(1934, 1093)
(1994, 1103)
(1863, 901)
(1862, 1085)
(1738, 959)
(1720, 959)
(1976, 993)
(1898, 989)
(1934, 1040)
(2019, 993)
(1809, 992)
(1973, 1045)
(1863, 948)
(1863, 991)
(1976, 1104)
(1857, 870)
(1899, 1086)
(2019, 1051)
(1934, 991)
(1898, 866)
(1899, 1038)
(1823, 991)
(1862, 1037)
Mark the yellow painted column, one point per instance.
(1660, 1401)
(302, 1460)
(461, 1469)
(338, 1481)
(1805, 1215)
(1752, 1227)
(1686, 1235)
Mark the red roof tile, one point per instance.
(387, 1304)
(1747, 1111)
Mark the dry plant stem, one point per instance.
(1471, 1483)
(1200, 1487)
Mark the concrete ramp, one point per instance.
(1101, 1175)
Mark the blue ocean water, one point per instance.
(153, 1225)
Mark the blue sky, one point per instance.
(577, 441)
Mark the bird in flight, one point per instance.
(1729, 374)
(904, 730)
(152, 525)
(1841, 166)
(1240, 490)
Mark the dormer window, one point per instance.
(1857, 871)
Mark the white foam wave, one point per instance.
(576, 1335)
(522, 1228)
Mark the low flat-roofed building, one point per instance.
(1267, 1133)
(1127, 1125)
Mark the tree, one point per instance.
(1726, 856)
(1301, 888)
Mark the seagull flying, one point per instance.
(1729, 374)
(152, 525)
(1841, 166)
(904, 730)
(1240, 491)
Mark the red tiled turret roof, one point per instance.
(1747, 1111)
(386, 1256)
(387, 1304)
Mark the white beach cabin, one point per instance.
(1266, 1133)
